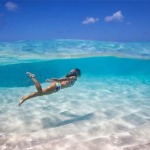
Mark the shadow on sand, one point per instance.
(49, 123)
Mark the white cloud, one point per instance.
(117, 16)
(89, 20)
(10, 6)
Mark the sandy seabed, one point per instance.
(88, 116)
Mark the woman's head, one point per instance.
(74, 72)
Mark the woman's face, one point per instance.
(73, 71)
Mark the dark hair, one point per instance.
(75, 72)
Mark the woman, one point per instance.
(56, 85)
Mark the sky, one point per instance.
(103, 20)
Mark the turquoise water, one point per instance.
(107, 108)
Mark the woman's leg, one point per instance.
(38, 87)
(49, 90)
(36, 83)
(24, 98)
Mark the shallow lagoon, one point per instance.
(107, 108)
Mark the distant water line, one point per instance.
(35, 51)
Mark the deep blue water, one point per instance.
(14, 75)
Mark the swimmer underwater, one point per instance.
(55, 86)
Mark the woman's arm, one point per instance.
(62, 79)
(57, 80)
(66, 79)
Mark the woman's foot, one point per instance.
(21, 101)
(30, 75)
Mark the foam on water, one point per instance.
(108, 107)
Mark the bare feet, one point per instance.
(21, 101)
(30, 75)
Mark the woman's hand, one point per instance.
(51, 80)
